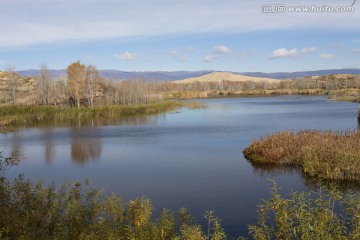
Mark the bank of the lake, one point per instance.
(13, 115)
(240, 94)
(344, 95)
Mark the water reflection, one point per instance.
(83, 135)
(87, 122)
(16, 146)
(270, 171)
(49, 147)
(85, 149)
(342, 185)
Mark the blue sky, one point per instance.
(168, 35)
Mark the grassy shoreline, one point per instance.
(325, 155)
(12, 115)
(228, 93)
(346, 95)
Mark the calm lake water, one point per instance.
(190, 158)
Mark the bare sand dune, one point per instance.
(226, 76)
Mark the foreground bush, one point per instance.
(35, 211)
(322, 214)
(320, 154)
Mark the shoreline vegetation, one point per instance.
(325, 155)
(14, 115)
(75, 210)
(344, 95)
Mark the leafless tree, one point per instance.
(92, 83)
(12, 83)
(44, 84)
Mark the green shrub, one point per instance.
(308, 215)
(77, 211)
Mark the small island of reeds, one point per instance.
(324, 155)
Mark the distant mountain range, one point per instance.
(294, 75)
(116, 75)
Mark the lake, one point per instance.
(185, 158)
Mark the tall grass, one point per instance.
(345, 95)
(320, 154)
(24, 114)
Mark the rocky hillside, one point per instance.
(25, 88)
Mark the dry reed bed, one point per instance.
(320, 154)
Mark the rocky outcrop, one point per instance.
(24, 86)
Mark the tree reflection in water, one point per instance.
(85, 149)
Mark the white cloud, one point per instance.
(283, 52)
(292, 53)
(174, 53)
(355, 50)
(327, 56)
(217, 52)
(55, 21)
(210, 58)
(126, 56)
(222, 50)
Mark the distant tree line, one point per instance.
(330, 82)
(83, 86)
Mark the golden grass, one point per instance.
(320, 154)
(345, 95)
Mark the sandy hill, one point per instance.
(226, 76)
